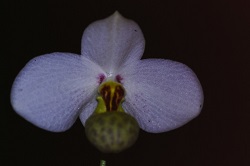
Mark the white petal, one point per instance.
(88, 110)
(113, 41)
(161, 94)
(51, 89)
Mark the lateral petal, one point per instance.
(88, 109)
(51, 89)
(161, 94)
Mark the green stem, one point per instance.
(102, 163)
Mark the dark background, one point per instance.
(211, 37)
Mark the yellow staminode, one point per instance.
(110, 98)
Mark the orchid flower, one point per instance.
(109, 87)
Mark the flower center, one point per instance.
(109, 128)
(110, 98)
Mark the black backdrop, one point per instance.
(211, 37)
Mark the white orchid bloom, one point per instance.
(54, 89)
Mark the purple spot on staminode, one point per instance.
(118, 78)
(101, 78)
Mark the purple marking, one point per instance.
(101, 77)
(118, 78)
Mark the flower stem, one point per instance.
(102, 163)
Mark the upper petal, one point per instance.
(51, 89)
(112, 42)
(161, 94)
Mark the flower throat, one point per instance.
(110, 98)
